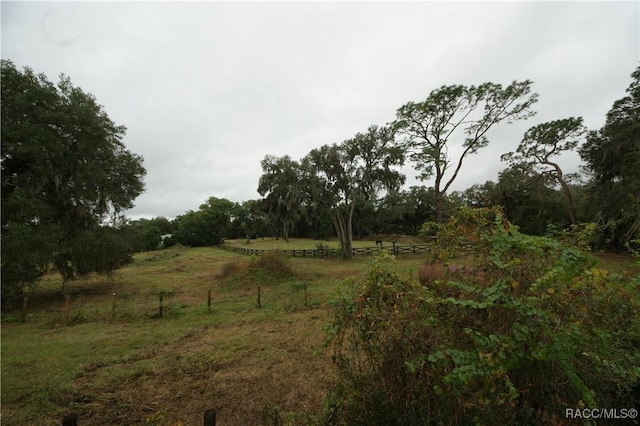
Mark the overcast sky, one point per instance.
(207, 89)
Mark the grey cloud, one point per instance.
(206, 89)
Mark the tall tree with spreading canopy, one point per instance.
(65, 170)
(543, 142)
(340, 176)
(457, 113)
(280, 187)
(612, 156)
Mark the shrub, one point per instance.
(264, 269)
(232, 268)
(273, 265)
(539, 331)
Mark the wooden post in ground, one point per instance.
(70, 420)
(25, 304)
(161, 294)
(306, 298)
(113, 308)
(67, 300)
(210, 417)
(209, 301)
(259, 306)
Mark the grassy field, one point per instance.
(247, 362)
(310, 244)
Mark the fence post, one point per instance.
(113, 308)
(161, 294)
(72, 420)
(25, 304)
(209, 301)
(306, 299)
(259, 297)
(210, 417)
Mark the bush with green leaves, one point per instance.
(529, 329)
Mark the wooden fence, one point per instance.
(329, 252)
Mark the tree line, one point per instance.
(67, 178)
(354, 188)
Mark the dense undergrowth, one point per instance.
(531, 329)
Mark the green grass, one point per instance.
(615, 262)
(137, 369)
(310, 244)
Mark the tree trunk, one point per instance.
(439, 206)
(439, 195)
(567, 193)
(348, 247)
(341, 230)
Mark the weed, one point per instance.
(234, 267)
(276, 416)
(176, 310)
(78, 318)
(322, 246)
(158, 418)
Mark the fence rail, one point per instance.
(360, 251)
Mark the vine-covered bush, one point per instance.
(529, 329)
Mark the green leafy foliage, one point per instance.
(543, 142)
(207, 226)
(102, 251)
(612, 156)
(529, 328)
(458, 113)
(152, 238)
(280, 184)
(65, 171)
(404, 212)
(338, 177)
(248, 220)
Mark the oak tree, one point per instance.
(280, 187)
(339, 176)
(65, 171)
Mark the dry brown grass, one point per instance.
(238, 369)
(233, 267)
